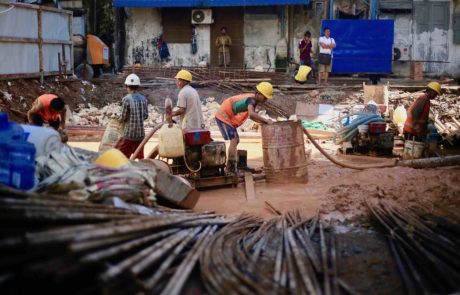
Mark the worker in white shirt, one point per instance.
(326, 45)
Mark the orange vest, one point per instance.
(47, 114)
(226, 115)
(417, 126)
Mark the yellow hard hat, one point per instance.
(184, 75)
(112, 158)
(435, 86)
(302, 73)
(266, 89)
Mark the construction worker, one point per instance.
(133, 114)
(223, 43)
(233, 113)
(417, 116)
(50, 109)
(188, 103)
(301, 75)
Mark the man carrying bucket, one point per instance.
(235, 110)
(417, 116)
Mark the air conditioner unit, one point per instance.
(401, 52)
(202, 16)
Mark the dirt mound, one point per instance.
(434, 189)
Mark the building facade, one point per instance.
(266, 33)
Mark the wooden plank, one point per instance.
(249, 187)
(33, 40)
(18, 40)
(40, 43)
(29, 75)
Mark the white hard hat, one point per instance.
(133, 80)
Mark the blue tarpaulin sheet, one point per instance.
(363, 46)
(205, 3)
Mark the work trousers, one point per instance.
(37, 120)
(221, 59)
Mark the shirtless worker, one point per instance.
(235, 110)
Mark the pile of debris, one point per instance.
(93, 116)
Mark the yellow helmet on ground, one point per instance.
(434, 86)
(184, 75)
(266, 89)
(112, 158)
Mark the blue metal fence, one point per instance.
(363, 46)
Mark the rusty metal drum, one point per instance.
(284, 153)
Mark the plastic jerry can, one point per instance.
(399, 115)
(22, 175)
(171, 141)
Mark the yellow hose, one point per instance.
(330, 158)
(145, 140)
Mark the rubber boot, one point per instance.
(232, 166)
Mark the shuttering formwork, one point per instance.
(35, 41)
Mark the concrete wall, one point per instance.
(453, 68)
(181, 54)
(402, 38)
(405, 35)
(142, 26)
(261, 35)
(305, 20)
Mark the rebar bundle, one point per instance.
(62, 246)
(425, 248)
(285, 255)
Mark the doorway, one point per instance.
(233, 19)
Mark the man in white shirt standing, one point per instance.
(188, 103)
(326, 44)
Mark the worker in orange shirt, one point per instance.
(235, 110)
(50, 109)
(417, 116)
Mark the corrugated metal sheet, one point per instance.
(363, 46)
(205, 3)
(395, 4)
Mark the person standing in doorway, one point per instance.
(326, 45)
(223, 42)
(188, 103)
(133, 114)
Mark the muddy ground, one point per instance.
(336, 193)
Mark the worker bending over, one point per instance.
(133, 114)
(188, 103)
(50, 109)
(417, 116)
(233, 113)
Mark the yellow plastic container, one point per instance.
(399, 115)
(171, 142)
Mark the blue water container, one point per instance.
(21, 151)
(5, 174)
(22, 175)
(9, 130)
